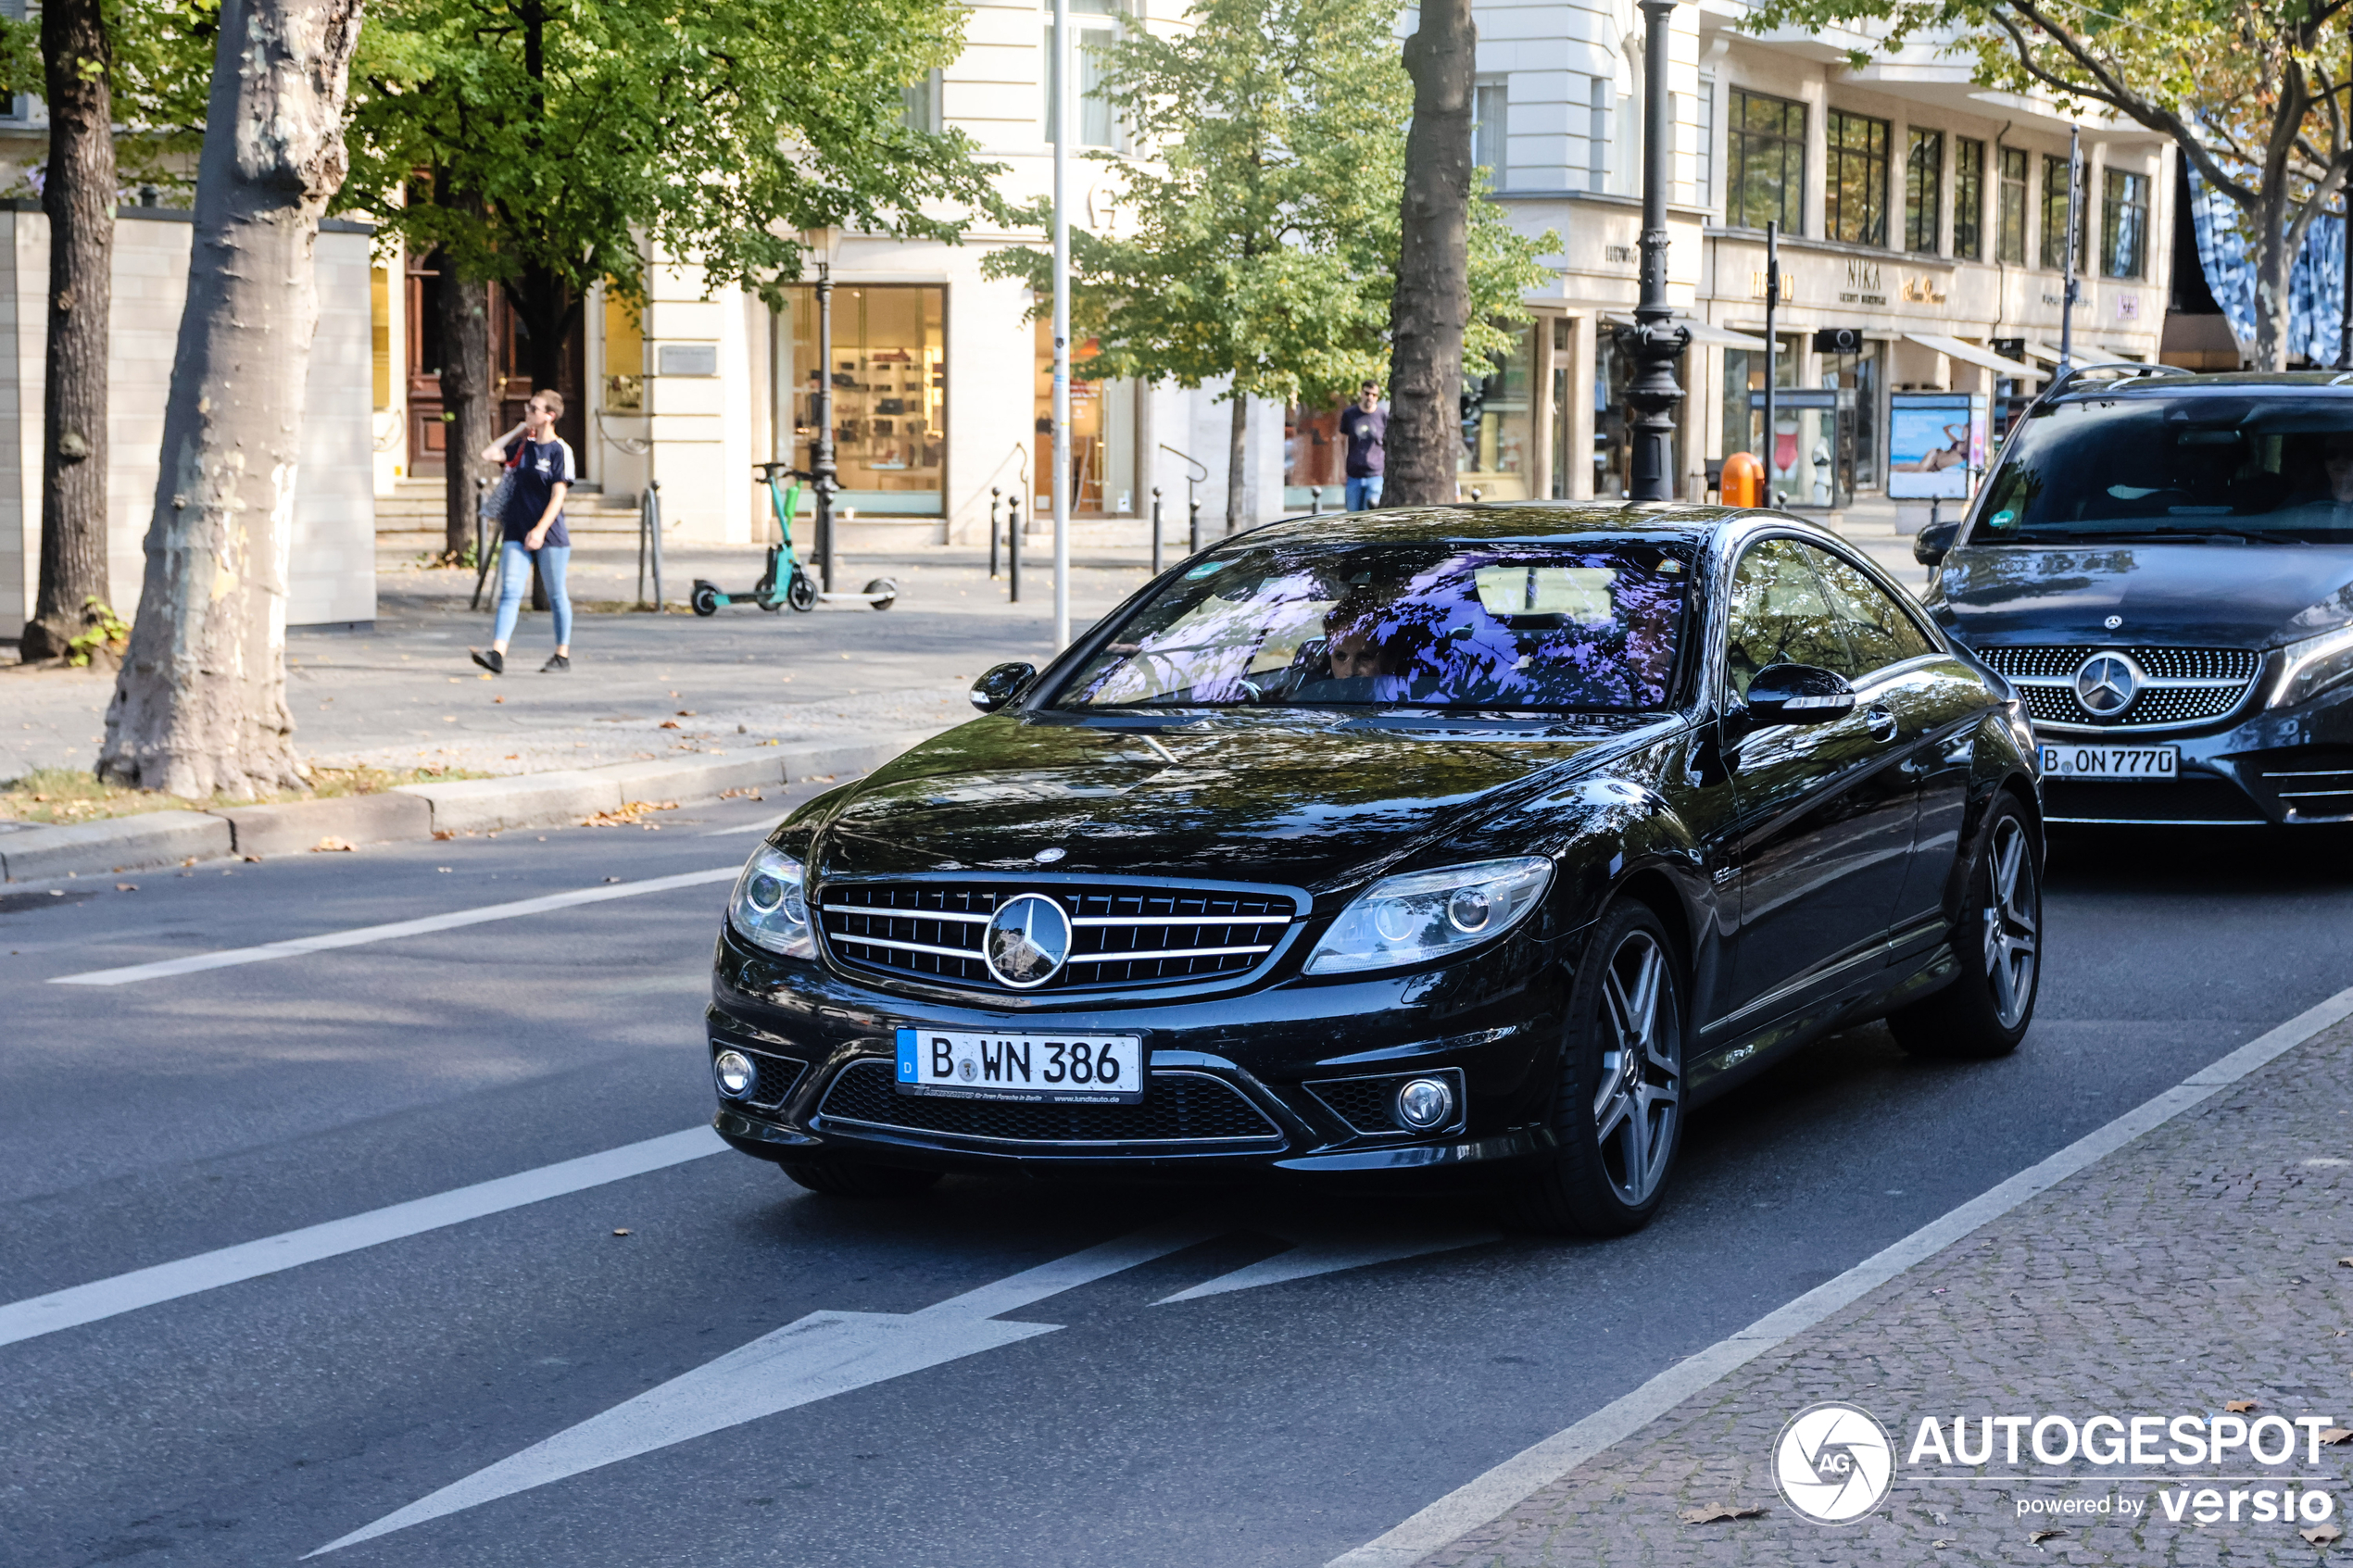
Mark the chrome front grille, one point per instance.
(2184, 686)
(1121, 933)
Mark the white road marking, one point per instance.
(1327, 1254)
(810, 1359)
(81, 1304)
(361, 935)
(1491, 1496)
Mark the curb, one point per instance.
(415, 811)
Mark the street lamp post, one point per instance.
(1653, 341)
(2074, 227)
(822, 476)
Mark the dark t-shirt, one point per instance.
(1367, 437)
(544, 465)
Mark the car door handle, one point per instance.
(1882, 722)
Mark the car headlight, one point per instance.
(770, 904)
(1402, 919)
(2314, 665)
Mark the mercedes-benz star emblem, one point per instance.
(1027, 941)
(2113, 621)
(1048, 856)
(2106, 684)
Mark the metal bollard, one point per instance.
(1192, 535)
(1013, 553)
(649, 515)
(1155, 530)
(993, 520)
(1315, 500)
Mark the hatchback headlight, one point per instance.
(2314, 665)
(1402, 919)
(770, 904)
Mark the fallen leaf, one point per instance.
(686, 713)
(2043, 1535)
(2238, 1407)
(620, 1233)
(126, 887)
(445, 833)
(497, 699)
(2337, 1435)
(667, 725)
(1940, 1544)
(1702, 1515)
(2321, 1535)
(332, 846)
(2345, 1262)
(252, 859)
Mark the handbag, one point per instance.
(502, 490)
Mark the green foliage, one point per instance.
(161, 78)
(1264, 237)
(559, 143)
(102, 629)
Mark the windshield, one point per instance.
(1439, 624)
(2266, 469)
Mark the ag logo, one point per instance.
(1833, 1463)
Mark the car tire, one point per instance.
(1618, 1111)
(1986, 1012)
(841, 1178)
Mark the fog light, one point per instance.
(1424, 1103)
(735, 1073)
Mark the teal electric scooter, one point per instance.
(784, 581)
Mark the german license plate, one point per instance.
(1030, 1068)
(2112, 762)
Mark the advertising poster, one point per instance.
(1936, 445)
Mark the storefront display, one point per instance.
(890, 393)
(1499, 428)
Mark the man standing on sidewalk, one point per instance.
(1364, 424)
(533, 523)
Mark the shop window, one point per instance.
(1612, 448)
(1744, 375)
(889, 377)
(2054, 188)
(1499, 428)
(1564, 415)
(1765, 162)
(2010, 238)
(624, 388)
(1314, 458)
(1968, 200)
(1856, 195)
(1102, 422)
(379, 334)
(2124, 224)
(1924, 189)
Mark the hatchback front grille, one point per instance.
(1177, 1108)
(2182, 685)
(1121, 935)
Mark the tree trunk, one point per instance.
(79, 196)
(463, 308)
(1236, 460)
(548, 310)
(1432, 300)
(2274, 262)
(200, 706)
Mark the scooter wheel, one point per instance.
(882, 593)
(802, 595)
(706, 599)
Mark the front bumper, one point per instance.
(2286, 767)
(1236, 1082)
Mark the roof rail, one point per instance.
(2071, 376)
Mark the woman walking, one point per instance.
(532, 525)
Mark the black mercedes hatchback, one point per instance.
(1474, 843)
(2164, 567)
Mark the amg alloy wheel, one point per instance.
(1619, 1113)
(1985, 1012)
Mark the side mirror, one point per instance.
(1797, 693)
(1000, 683)
(1934, 543)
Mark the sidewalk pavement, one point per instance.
(2207, 1264)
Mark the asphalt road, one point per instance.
(1269, 1420)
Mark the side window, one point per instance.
(1876, 626)
(1779, 615)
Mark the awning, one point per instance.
(1970, 354)
(2042, 351)
(1707, 332)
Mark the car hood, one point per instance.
(2221, 596)
(1310, 800)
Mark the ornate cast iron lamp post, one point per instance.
(1653, 341)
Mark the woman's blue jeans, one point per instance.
(514, 582)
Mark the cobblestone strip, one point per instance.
(2198, 1266)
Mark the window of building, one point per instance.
(1856, 195)
(1968, 200)
(2124, 224)
(1924, 189)
(1626, 132)
(2055, 183)
(1765, 163)
(1703, 172)
(1603, 95)
(1490, 105)
(921, 101)
(1097, 126)
(890, 378)
(2009, 238)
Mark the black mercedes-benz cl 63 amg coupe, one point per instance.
(2163, 565)
(1462, 842)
